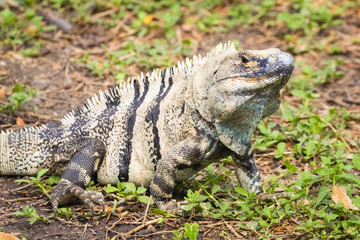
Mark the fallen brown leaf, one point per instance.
(2, 93)
(285, 228)
(31, 30)
(56, 66)
(303, 202)
(7, 236)
(20, 122)
(339, 196)
(148, 19)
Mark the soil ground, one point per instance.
(64, 84)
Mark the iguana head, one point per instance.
(234, 90)
(226, 83)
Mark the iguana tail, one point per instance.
(19, 153)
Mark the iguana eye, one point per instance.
(244, 59)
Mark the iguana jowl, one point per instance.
(157, 129)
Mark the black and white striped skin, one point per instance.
(157, 129)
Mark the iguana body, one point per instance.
(157, 129)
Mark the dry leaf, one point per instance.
(2, 93)
(56, 66)
(107, 209)
(7, 236)
(120, 209)
(20, 122)
(285, 228)
(31, 30)
(148, 19)
(303, 202)
(339, 196)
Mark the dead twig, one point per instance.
(152, 234)
(21, 188)
(141, 227)
(232, 230)
(16, 199)
(147, 209)
(54, 18)
(84, 231)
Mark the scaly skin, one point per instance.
(158, 129)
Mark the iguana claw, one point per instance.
(65, 191)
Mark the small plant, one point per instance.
(305, 84)
(308, 18)
(194, 200)
(64, 212)
(20, 95)
(177, 234)
(31, 214)
(191, 231)
(127, 191)
(37, 181)
(16, 32)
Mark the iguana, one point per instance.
(157, 129)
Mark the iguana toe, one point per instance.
(65, 191)
(171, 206)
(274, 196)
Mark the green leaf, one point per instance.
(322, 194)
(290, 167)
(23, 180)
(241, 191)
(18, 213)
(8, 17)
(215, 189)
(306, 176)
(189, 206)
(299, 93)
(164, 213)
(53, 179)
(253, 225)
(356, 161)
(141, 190)
(145, 199)
(110, 189)
(32, 220)
(41, 173)
(191, 231)
(281, 147)
(130, 187)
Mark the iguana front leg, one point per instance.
(249, 177)
(247, 172)
(78, 174)
(180, 156)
